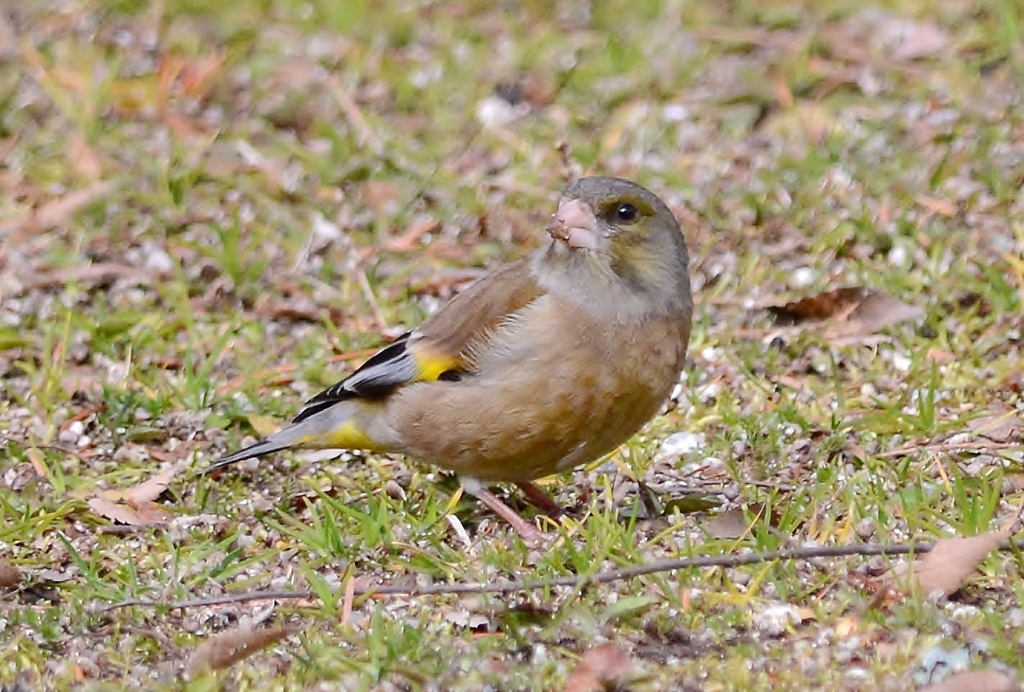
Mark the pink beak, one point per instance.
(575, 225)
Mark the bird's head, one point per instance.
(616, 232)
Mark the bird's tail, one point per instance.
(291, 436)
(351, 424)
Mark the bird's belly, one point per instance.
(534, 421)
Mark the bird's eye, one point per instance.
(626, 213)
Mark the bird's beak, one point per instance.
(576, 225)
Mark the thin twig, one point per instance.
(947, 447)
(602, 577)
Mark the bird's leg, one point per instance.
(540, 499)
(528, 531)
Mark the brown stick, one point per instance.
(603, 577)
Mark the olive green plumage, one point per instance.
(536, 368)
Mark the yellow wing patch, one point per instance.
(432, 365)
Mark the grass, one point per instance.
(205, 221)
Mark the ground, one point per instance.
(211, 211)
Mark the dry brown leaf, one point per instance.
(179, 453)
(536, 88)
(818, 308)
(36, 460)
(732, 523)
(849, 312)
(151, 489)
(951, 561)
(1013, 483)
(974, 681)
(604, 667)
(302, 310)
(227, 648)
(135, 506)
(10, 576)
(998, 427)
(131, 513)
(876, 312)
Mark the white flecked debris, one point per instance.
(774, 620)
(680, 443)
(802, 277)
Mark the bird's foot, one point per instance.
(529, 532)
(540, 499)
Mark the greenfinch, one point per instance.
(536, 368)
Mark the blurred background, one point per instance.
(209, 211)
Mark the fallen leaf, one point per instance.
(57, 576)
(876, 312)
(847, 312)
(295, 310)
(131, 513)
(974, 681)
(10, 576)
(1013, 483)
(179, 453)
(536, 88)
(951, 561)
(151, 489)
(227, 648)
(38, 465)
(604, 667)
(818, 308)
(135, 506)
(997, 427)
(733, 523)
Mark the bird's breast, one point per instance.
(551, 389)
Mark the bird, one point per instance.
(536, 368)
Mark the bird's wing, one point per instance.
(441, 346)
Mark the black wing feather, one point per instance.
(378, 376)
